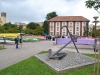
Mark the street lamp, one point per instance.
(95, 17)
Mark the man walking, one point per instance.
(16, 42)
(20, 40)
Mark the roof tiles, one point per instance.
(69, 18)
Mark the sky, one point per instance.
(26, 11)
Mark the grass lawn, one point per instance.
(2, 48)
(33, 66)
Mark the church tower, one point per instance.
(3, 18)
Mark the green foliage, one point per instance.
(13, 30)
(51, 15)
(2, 30)
(45, 26)
(42, 52)
(32, 25)
(93, 4)
(48, 17)
(86, 30)
(39, 30)
(98, 32)
(97, 21)
(28, 31)
(7, 26)
(20, 28)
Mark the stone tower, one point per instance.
(3, 18)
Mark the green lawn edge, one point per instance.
(32, 66)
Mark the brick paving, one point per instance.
(70, 61)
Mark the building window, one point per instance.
(64, 34)
(63, 23)
(77, 23)
(63, 29)
(57, 23)
(77, 28)
(70, 23)
(70, 32)
(70, 28)
(51, 23)
(57, 33)
(77, 33)
(51, 33)
(84, 23)
(51, 28)
(57, 28)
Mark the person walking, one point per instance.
(16, 42)
(20, 41)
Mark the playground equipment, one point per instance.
(61, 55)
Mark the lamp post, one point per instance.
(95, 17)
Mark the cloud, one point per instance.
(36, 10)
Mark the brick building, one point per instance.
(75, 25)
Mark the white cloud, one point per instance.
(36, 10)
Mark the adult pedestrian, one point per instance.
(16, 42)
(20, 41)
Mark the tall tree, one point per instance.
(51, 15)
(2, 29)
(48, 17)
(20, 29)
(45, 26)
(7, 26)
(39, 30)
(32, 25)
(93, 4)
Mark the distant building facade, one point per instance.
(40, 23)
(21, 24)
(75, 25)
(3, 18)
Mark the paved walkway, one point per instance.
(12, 55)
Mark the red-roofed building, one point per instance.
(75, 25)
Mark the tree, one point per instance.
(45, 26)
(86, 30)
(32, 25)
(97, 21)
(48, 17)
(51, 15)
(28, 31)
(1, 29)
(97, 31)
(20, 29)
(93, 4)
(7, 26)
(39, 30)
(13, 30)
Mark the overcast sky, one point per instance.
(36, 10)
